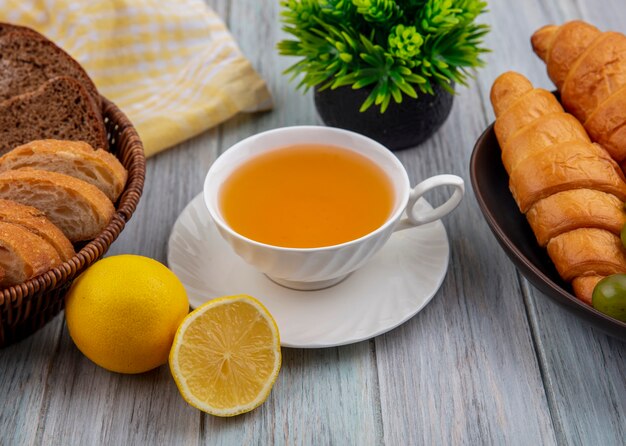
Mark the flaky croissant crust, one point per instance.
(570, 189)
(589, 69)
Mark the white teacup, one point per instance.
(316, 268)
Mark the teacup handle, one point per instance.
(413, 218)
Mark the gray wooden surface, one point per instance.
(489, 361)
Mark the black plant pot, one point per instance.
(402, 125)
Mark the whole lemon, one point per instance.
(123, 312)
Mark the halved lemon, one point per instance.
(226, 356)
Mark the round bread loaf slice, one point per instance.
(36, 222)
(60, 108)
(24, 255)
(29, 59)
(79, 209)
(74, 158)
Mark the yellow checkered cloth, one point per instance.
(170, 65)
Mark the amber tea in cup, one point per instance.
(308, 205)
(307, 196)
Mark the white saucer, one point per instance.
(392, 287)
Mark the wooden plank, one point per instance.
(221, 7)
(117, 409)
(147, 408)
(463, 371)
(326, 396)
(257, 30)
(572, 407)
(172, 180)
(583, 370)
(58, 396)
(323, 396)
(111, 408)
(89, 405)
(24, 383)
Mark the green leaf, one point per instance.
(416, 79)
(382, 92)
(373, 61)
(369, 101)
(348, 79)
(407, 89)
(385, 103)
(347, 58)
(396, 93)
(364, 82)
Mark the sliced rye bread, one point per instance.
(59, 109)
(78, 208)
(29, 59)
(75, 158)
(24, 255)
(36, 222)
(11, 27)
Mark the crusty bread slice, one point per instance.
(59, 109)
(78, 208)
(36, 222)
(29, 59)
(23, 254)
(73, 158)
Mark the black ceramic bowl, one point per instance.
(491, 186)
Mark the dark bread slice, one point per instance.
(10, 27)
(60, 108)
(28, 60)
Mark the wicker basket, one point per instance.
(27, 307)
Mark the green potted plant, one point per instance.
(384, 68)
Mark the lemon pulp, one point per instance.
(226, 356)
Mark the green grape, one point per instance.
(609, 296)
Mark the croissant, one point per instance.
(570, 189)
(589, 69)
